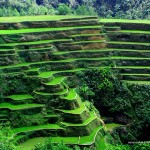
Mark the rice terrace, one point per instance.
(79, 81)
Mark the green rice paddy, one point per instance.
(56, 76)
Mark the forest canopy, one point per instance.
(126, 9)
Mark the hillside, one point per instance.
(125, 9)
(40, 55)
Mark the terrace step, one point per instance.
(134, 69)
(64, 92)
(83, 54)
(85, 123)
(9, 106)
(85, 128)
(127, 24)
(128, 45)
(82, 45)
(36, 42)
(46, 30)
(78, 115)
(7, 51)
(55, 85)
(20, 99)
(72, 101)
(33, 71)
(131, 61)
(14, 68)
(83, 140)
(52, 118)
(49, 75)
(137, 82)
(129, 36)
(107, 120)
(88, 37)
(133, 53)
(113, 28)
(33, 130)
(55, 81)
(111, 126)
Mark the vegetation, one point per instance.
(7, 141)
(48, 145)
(113, 97)
(133, 9)
(37, 59)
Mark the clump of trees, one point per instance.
(113, 97)
(127, 9)
(7, 141)
(48, 145)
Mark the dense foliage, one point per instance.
(7, 141)
(48, 145)
(129, 9)
(16, 84)
(127, 103)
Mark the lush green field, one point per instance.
(36, 18)
(53, 63)
(124, 21)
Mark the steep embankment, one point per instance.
(37, 56)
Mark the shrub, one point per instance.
(64, 9)
(7, 141)
(48, 145)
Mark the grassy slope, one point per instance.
(82, 108)
(87, 140)
(37, 18)
(124, 21)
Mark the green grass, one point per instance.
(134, 43)
(111, 126)
(132, 74)
(127, 50)
(14, 66)
(124, 21)
(84, 35)
(84, 140)
(137, 82)
(130, 58)
(35, 30)
(55, 81)
(94, 41)
(20, 97)
(131, 31)
(89, 120)
(64, 92)
(82, 51)
(36, 42)
(50, 73)
(38, 18)
(114, 27)
(71, 95)
(133, 67)
(102, 143)
(19, 107)
(35, 128)
(79, 110)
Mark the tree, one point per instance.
(3, 86)
(64, 9)
(85, 10)
(7, 141)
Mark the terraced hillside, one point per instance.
(49, 51)
(129, 42)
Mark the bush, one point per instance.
(64, 9)
(48, 145)
(85, 10)
(7, 141)
(111, 96)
